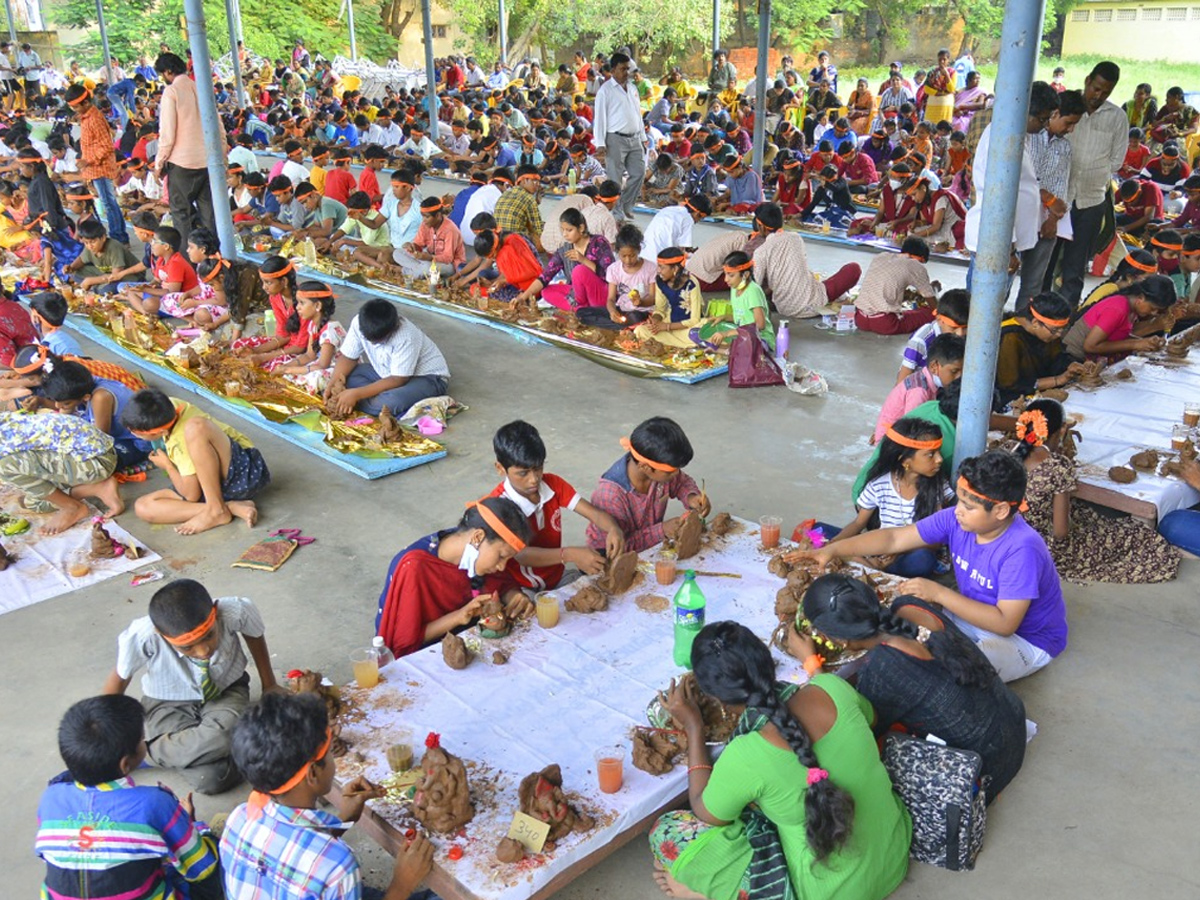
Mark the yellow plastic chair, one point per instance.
(351, 82)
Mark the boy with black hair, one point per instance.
(944, 364)
(953, 311)
(102, 835)
(517, 210)
(542, 496)
(170, 269)
(879, 306)
(280, 844)
(215, 470)
(104, 262)
(1009, 599)
(48, 310)
(636, 488)
(196, 685)
(385, 360)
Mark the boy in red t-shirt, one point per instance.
(170, 269)
(521, 458)
(1137, 155)
(339, 181)
(374, 158)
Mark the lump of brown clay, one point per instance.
(651, 347)
(656, 751)
(455, 652)
(687, 542)
(618, 573)
(1124, 375)
(1172, 467)
(1189, 450)
(779, 566)
(787, 601)
(541, 796)
(103, 546)
(1177, 349)
(721, 524)
(499, 658)
(718, 723)
(1055, 394)
(510, 851)
(1122, 474)
(1146, 461)
(442, 801)
(310, 682)
(588, 599)
(389, 428)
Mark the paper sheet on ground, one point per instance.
(564, 693)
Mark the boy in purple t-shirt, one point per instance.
(1009, 599)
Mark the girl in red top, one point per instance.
(1137, 155)
(440, 583)
(291, 332)
(516, 259)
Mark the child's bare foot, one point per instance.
(67, 516)
(107, 492)
(673, 888)
(207, 518)
(244, 510)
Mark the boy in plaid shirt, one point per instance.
(279, 845)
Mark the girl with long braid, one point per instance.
(920, 672)
(799, 787)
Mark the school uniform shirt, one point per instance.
(545, 521)
(172, 676)
(916, 351)
(1029, 198)
(402, 227)
(407, 353)
(385, 137)
(1149, 197)
(424, 148)
(295, 172)
(66, 164)
(670, 227)
(517, 211)
(886, 279)
(244, 157)
(640, 516)
(894, 511)
(1014, 566)
(117, 840)
(288, 852)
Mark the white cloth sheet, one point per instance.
(1124, 417)
(564, 693)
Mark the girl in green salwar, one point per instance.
(797, 806)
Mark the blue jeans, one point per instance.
(109, 209)
(398, 400)
(1182, 528)
(914, 564)
(123, 95)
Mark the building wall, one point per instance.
(1167, 30)
(410, 48)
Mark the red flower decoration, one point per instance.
(743, 895)
(669, 850)
(455, 852)
(433, 739)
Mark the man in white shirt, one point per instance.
(484, 200)
(8, 77)
(1043, 102)
(419, 144)
(618, 128)
(498, 80)
(31, 64)
(292, 166)
(1098, 146)
(385, 360)
(475, 76)
(242, 155)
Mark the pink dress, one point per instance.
(641, 281)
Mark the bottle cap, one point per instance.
(377, 641)
(690, 573)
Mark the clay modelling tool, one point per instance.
(718, 574)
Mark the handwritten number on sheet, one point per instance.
(529, 832)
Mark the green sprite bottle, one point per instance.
(689, 618)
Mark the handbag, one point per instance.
(750, 365)
(940, 786)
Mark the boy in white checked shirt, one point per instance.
(196, 684)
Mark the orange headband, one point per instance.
(258, 799)
(792, 164)
(217, 270)
(1195, 252)
(1149, 268)
(965, 485)
(312, 295)
(608, 201)
(190, 637)
(430, 207)
(86, 95)
(672, 260)
(748, 264)
(1157, 243)
(499, 527)
(278, 274)
(897, 438)
(234, 168)
(80, 197)
(1050, 323)
(688, 204)
(34, 364)
(163, 429)
(661, 467)
(282, 191)
(502, 179)
(947, 322)
(530, 176)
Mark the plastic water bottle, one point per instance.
(783, 340)
(689, 618)
(572, 180)
(269, 322)
(383, 655)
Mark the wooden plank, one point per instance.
(1139, 509)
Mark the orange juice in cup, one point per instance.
(769, 531)
(610, 769)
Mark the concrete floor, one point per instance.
(1105, 806)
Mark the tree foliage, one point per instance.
(269, 27)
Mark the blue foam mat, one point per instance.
(298, 435)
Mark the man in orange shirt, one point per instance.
(181, 148)
(98, 160)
